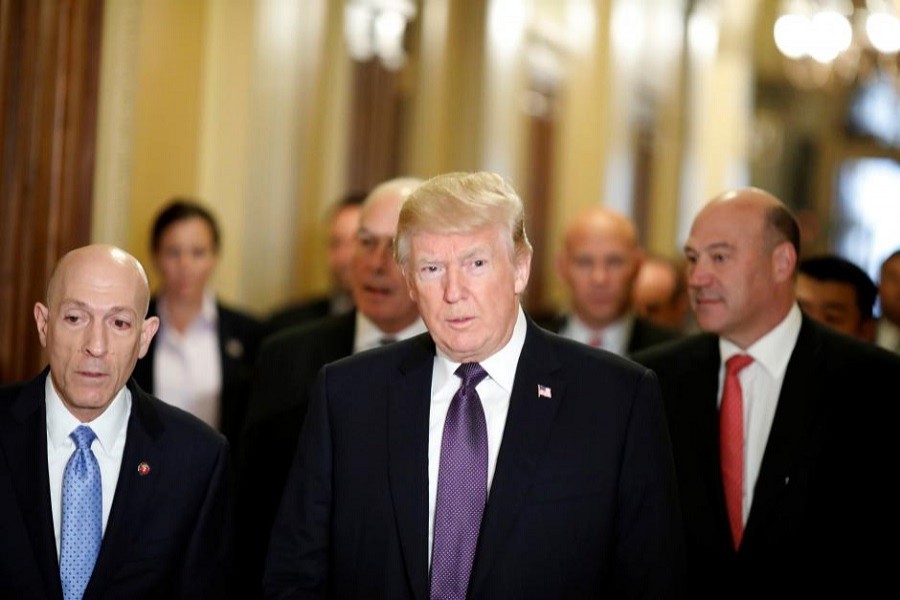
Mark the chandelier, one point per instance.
(375, 28)
(838, 41)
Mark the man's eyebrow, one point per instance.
(80, 304)
(708, 247)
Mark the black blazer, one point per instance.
(166, 534)
(239, 337)
(582, 503)
(643, 334)
(819, 498)
(297, 314)
(287, 365)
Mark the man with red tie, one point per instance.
(779, 459)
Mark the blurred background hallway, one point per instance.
(271, 110)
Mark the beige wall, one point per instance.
(244, 103)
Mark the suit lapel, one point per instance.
(528, 426)
(702, 424)
(408, 403)
(790, 427)
(134, 488)
(24, 442)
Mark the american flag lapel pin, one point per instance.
(544, 391)
(143, 469)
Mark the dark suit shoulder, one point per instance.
(645, 334)
(239, 318)
(159, 417)
(297, 313)
(676, 354)
(322, 328)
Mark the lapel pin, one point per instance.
(544, 391)
(143, 469)
(234, 348)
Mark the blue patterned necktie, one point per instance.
(82, 515)
(462, 489)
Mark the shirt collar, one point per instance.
(500, 366)
(209, 311)
(368, 335)
(769, 350)
(614, 335)
(60, 422)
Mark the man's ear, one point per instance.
(784, 261)
(522, 267)
(41, 318)
(148, 330)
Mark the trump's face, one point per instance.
(467, 288)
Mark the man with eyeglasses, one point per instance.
(289, 360)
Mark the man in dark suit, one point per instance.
(795, 516)
(158, 512)
(599, 263)
(547, 474)
(290, 359)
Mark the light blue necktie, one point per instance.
(82, 516)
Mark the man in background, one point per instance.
(288, 363)
(838, 293)
(343, 223)
(106, 491)
(887, 333)
(598, 264)
(660, 293)
(780, 426)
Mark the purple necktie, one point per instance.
(462, 489)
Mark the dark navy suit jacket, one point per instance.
(582, 503)
(166, 536)
(821, 504)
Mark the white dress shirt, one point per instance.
(614, 337)
(187, 368)
(761, 383)
(494, 391)
(887, 335)
(369, 336)
(109, 447)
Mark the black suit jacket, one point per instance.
(166, 534)
(287, 365)
(239, 337)
(643, 334)
(298, 314)
(819, 498)
(582, 503)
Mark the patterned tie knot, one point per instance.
(83, 437)
(736, 363)
(472, 374)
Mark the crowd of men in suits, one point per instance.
(419, 435)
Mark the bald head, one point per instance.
(598, 263)
(596, 221)
(112, 260)
(765, 213)
(742, 260)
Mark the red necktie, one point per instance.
(731, 444)
(596, 340)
